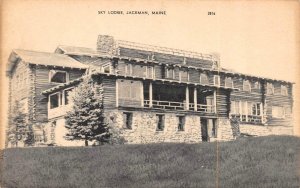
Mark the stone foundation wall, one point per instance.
(263, 130)
(144, 126)
(224, 130)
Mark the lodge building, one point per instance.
(152, 94)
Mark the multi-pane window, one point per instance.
(204, 79)
(160, 122)
(216, 80)
(181, 123)
(278, 112)
(284, 90)
(254, 109)
(58, 76)
(246, 85)
(270, 88)
(127, 120)
(228, 82)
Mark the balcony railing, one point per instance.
(202, 108)
(249, 118)
(164, 105)
(178, 106)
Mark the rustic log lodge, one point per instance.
(152, 94)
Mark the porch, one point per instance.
(179, 97)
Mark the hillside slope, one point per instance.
(248, 162)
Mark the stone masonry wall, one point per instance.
(144, 128)
(224, 130)
(261, 130)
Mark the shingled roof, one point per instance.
(43, 58)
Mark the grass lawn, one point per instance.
(248, 162)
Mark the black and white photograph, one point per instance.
(117, 94)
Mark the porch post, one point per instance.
(187, 98)
(241, 110)
(246, 104)
(195, 99)
(150, 95)
(117, 93)
(261, 112)
(215, 101)
(142, 94)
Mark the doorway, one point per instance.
(208, 129)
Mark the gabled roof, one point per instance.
(43, 58)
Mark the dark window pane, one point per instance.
(128, 120)
(160, 122)
(59, 77)
(54, 101)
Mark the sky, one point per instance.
(252, 37)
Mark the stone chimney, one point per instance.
(106, 44)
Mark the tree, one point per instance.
(86, 119)
(18, 125)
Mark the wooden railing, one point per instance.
(178, 106)
(249, 118)
(202, 108)
(164, 105)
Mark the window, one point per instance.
(235, 107)
(203, 79)
(148, 71)
(284, 90)
(106, 68)
(54, 100)
(138, 70)
(254, 109)
(58, 76)
(184, 76)
(256, 85)
(128, 120)
(216, 80)
(246, 85)
(160, 122)
(181, 123)
(270, 88)
(228, 82)
(278, 112)
(244, 108)
(170, 73)
(128, 89)
(68, 96)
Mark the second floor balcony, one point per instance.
(167, 97)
